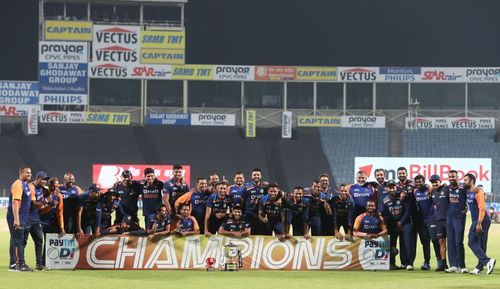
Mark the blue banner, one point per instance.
(18, 92)
(63, 78)
(154, 118)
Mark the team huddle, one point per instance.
(403, 210)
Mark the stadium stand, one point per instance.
(342, 145)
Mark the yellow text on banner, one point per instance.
(193, 72)
(251, 123)
(163, 39)
(115, 118)
(317, 121)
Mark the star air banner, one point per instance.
(68, 30)
(121, 252)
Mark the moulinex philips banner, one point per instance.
(121, 252)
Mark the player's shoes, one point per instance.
(452, 269)
(425, 267)
(490, 266)
(409, 268)
(475, 271)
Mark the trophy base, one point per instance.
(231, 267)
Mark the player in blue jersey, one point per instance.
(425, 218)
(70, 192)
(235, 225)
(271, 212)
(342, 206)
(236, 190)
(213, 180)
(159, 223)
(361, 192)
(326, 216)
(455, 224)
(218, 205)
(128, 189)
(197, 199)
(297, 213)
(175, 187)
(87, 206)
(151, 190)
(317, 202)
(379, 186)
(407, 187)
(187, 224)
(20, 199)
(396, 215)
(34, 227)
(252, 193)
(437, 229)
(106, 206)
(478, 232)
(370, 225)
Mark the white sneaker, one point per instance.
(409, 268)
(490, 266)
(463, 270)
(452, 269)
(475, 271)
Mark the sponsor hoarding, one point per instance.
(213, 119)
(105, 175)
(286, 124)
(480, 167)
(449, 123)
(116, 44)
(193, 72)
(15, 110)
(163, 39)
(162, 56)
(398, 74)
(275, 72)
(233, 72)
(63, 78)
(318, 121)
(130, 71)
(363, 121)
(68, 30)
(18, 92)
(357, 74)
(121, 252)
(482, 74)
(250, 123)
(114, 118)
(64, 99)
(62, 116)
(33, 120)
(64, 52)
(311, 73)
(155, 118)
(443, 74)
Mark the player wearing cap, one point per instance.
(87, 208)
(235, 225)
(455, 224)
(187, 224)
(271, 212)
(425, 218)
(175, 187)
(361, 192)
(151, 190)
(129, 191)
(437, 229)
(252, 193)
(34, 227)
(370, 225)
(218, 205)
(342, 206)
(159, 223)
(297, 213)
(104, 210)
(478, 232)
(396, 215)
(236, 190)
(197, 200)
(70, 192)
(407, 188)
(20, 199)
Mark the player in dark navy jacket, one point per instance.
(128, 189)
(87, 210)
(251, 195)
(70, 193)
(396, 215)
(236, 190)
(455, 224)
(370, 224)
(379, 186)
(437, 229)
(104, 210)
(151, 190)
(326, 213)
(175, 188)
(297, 213)
(272, 212)
(235, 225)
(159, 223)
(406, 188)
(218, 205)
(425, 217)
(342, 206)
(317, 202)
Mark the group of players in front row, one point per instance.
(404, 210)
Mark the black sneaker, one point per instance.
(24, 268)
(42, 268)
(12, 268)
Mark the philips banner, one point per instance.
(18, 92)
(121, 252)
(427, 167)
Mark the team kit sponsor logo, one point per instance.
(450, 123)
(105, 175)
(258, 253)
(398, 74)
(480, 167)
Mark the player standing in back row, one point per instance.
(70, 192)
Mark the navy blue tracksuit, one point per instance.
(396, 211)
(424, 221)
(478, 241)
(455, 225)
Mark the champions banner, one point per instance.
(122, 252)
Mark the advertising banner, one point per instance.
(250, 123)
(130, 71)
(116, 44)
(275, 73)
(398, 74)
(62, 116)
(363, 121)
(480, 167)
(4, 202)
(319, 121)
(234, 73)
(163, 39)
(482, 74)
(68, 30)
(113, 118)
(443, 74)
(213, 119)
(162, 56)
(193, 72)
(449, 123)
(64, 52)
(33, 120)
(358, 74)
(64, 99)
(121, 252)
(155, 118)
(105, 175)
(15, 110)
(286, 124)
(18, 92)
(311, 73)
(63, 78)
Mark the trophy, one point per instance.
(232, 256)
(210, 264)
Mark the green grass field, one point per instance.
(245, 279)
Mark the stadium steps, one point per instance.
(395, 141)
